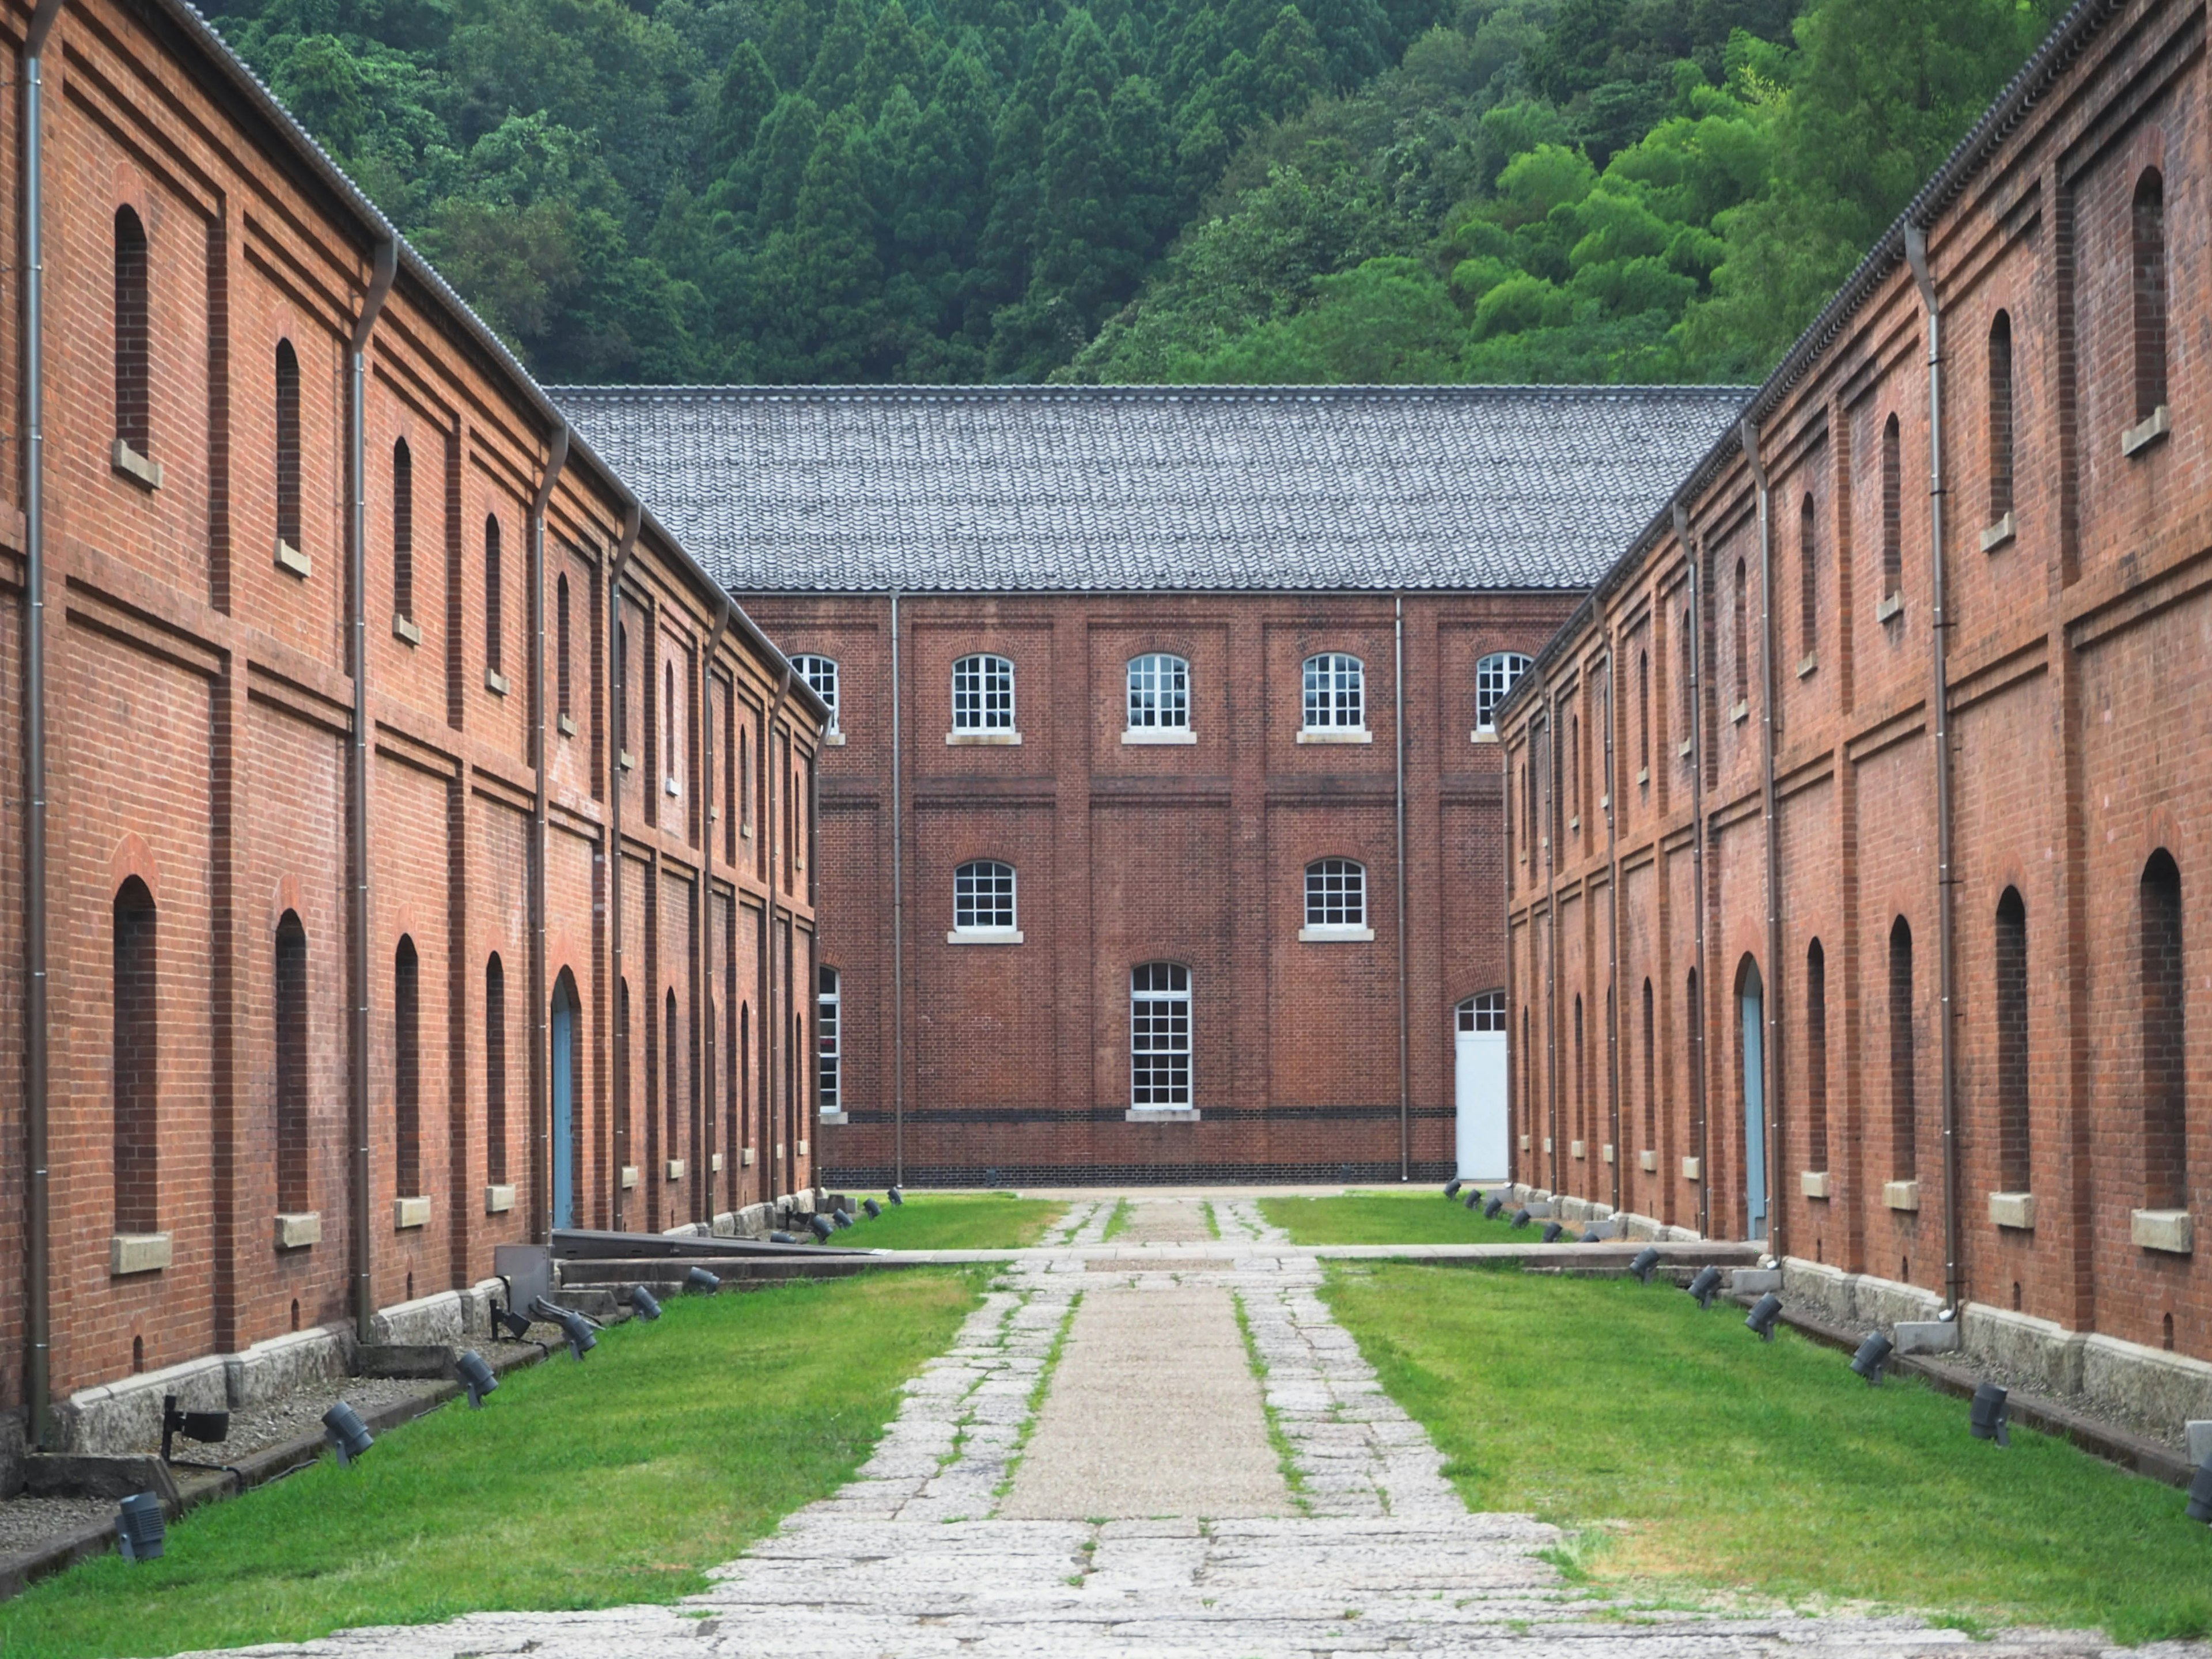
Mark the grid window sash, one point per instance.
(1336, 693)
(825, 1026)
(1159, 1035)
(1484, 1012)
(1159, 694)
(1336, 894)
(821, 673)
(983, 695)
(1494, 676)
(983, 895)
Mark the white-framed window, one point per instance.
(821, 673)
(826, 1003)
(1159, 1035)
(983, 902)
(983, 693)
(1494, 677)
(1159, 693)
(1335, 693)
(1336, 900)
(1483, 1012)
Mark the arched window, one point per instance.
(670, 766)
(745, 780)
(494, 608)
(287, 450)
(1335, 693)
(1816, 1056)
(2000, 417)
(828, 1005)
(407, 1067)
(982, 695)
(494, 1016)
(291, 1010)
(983, 898)
(1904, 1139)
(1689, 684)
(1483, 1012)
(134, 409)
(744, 1080)
(2015, 1170)
(821, 673)
(138, 1063)
(1159, 693)
(403, 532)
(622, 696)
(1336, 897)
(2165, 1038)
(1892, 510)
(1742, 619)
(1650, 1072)
(2150, 228)
(561, 680)
(1581, 1106)
(1644, 712)
(1159, 1035)
(624, 1152)
(1494, 676)
(671, 1079)
(1694, 1013)
(1808, 578)
(1574, 765)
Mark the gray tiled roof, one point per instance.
(1116, 488)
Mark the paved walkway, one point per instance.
(983, 1529)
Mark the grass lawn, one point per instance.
(1417, 1215)
(670, 1449)
(1768, 1468)
(955, 1221)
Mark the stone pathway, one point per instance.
(986, 1528)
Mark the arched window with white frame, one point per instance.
(982, 696)
(1336, 901)
(828, 1004)
(821, 673)
(1335, 693)
(1494, 676)
(1483, 1012)
(1159, 1036)
(983, 904)
(1159, 697)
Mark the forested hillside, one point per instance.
(1193, 190)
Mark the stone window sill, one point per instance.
(1146, 736)
(1161, 1115)
(2012, 1210)
(1547, 1145)
(1902, 1196)
(746, 1158)
(1807, 666)
(299, 1229)
(495, 683)
(629, 1177)
(139, 1253)
(668, 785)
(499, 1198)
(403, 628)
(1692, 1169)
(1648, 1162)
(128, 463)
(715, 1164)
(826, 1117)
(1482, 734)
(2168, 1231)
(565, 724)
(984, 936)
(1814, 1183)
(1335, 935)
(1742, 712)
(408, 1213)
(2152, 428)
(1335, 734)
(1605, 1152)
(1577, 1149)
(833, 738)
(1524, 1143)
(1644, 776)
(1996, 535)
(802, 1149)
(675, 1167)
(1892, 606)
(982, 739)
(289, 558)
(628, 762)
(1574, 823)
(1686, 746)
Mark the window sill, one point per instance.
(139, 1253)
(1814, 1183)
(1807, 666)
(1147, 736)
(499, 1198)
(128, 463)
(670, 786)
(833, 738)
(299, 1229)
(1692, 1169)
(715, 1164)
(746, 832)
(1687, 744)
(408, 1214)
(1996, 535)
(495, 683)
(2012, 1210)
(1335, 935)
(1483, 734)
(982, 739)
(626, 761)
(1644, 776)
(1160, 1114)
(2168, 1231)
(984, 936)
(629, 1177)
(1327, 734)
(1648, 1162)
(826, 1117)
(675, 1167)
(1741, 713)
(1574, 823)
(1892, 606)
(802, 1149)
(1577, 1149)
(289, 558)
(2143, 433)
(746, 1158)
(1902, 1196)
(566, 725)
(403, 628)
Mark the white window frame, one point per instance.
(1158, 701)
(1174, 1054)
(1329, 682)
(994, 932)
(977, 715)
(828, 1030)
(1483, 1012)
(1328, 922)
(1495, 677)
(821, 673)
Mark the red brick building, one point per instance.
(1861, 879)
(1160, 824)
(336, 668)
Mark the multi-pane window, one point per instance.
(984, 896)
(1335, 693)
(1892, 510)
(821, 673)
(983, 693)
(1159, 1035)
(1336, 894)
(1493, 677)
(825, 1028)
(1159, 693)
(1484, 1012)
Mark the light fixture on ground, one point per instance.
(643, 1303)
(841, 1219)
(475, 1376)
(347, 1433)
(1522, 1217)
(1705, 1286)
(1763, 1315)
(1490, 1206)
(820, 1227)
(1987, 1418)
(1874, 1354)
(2200, 1493)
(1645, 1264)
(1474, 1199)
(574, 1325)
(1597, 1232)
(516, 1326)
(141, 1528)
(210, 1427)
(1452, 1187)
(701, 1281)
(779, 1237)
(895, 1196)
(1552, 1231)
(873, 1208)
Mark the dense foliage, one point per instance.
(1197, 190)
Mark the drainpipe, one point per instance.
(617, 669)
(1939, 633)
(364, 1254)
(1691, 558)
(705, 1000)
(540, 1058)
(772, 1036)
(1405, 1082)
(898, 924)
(1611, 925)
(1770, 991)
(37, 1383)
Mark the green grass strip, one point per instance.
(1685, 1451)
(673, 1446)
(957, 1221)
(1285, 1457)
(1417, 1216)
(1117, 1222)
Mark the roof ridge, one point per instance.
(893, 392)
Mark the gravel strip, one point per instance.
(26, 1523)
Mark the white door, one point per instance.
(1485, 1153)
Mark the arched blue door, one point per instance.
(564, 1104)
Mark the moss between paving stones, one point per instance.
(1419, 1216)
(957, 1221)
(1684, 1449)
(669, 1450)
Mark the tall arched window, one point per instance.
(1644, 711)
(1336, 899)
(1159, 1035)
(1904, 1129)
(1582, 1098)
(494, 1016)
(622, 696)
(1689, 684)
(561, 672)
(1808, 578)
(821, 673)
(1159, 693)
(1495, 676)
(671, 767)
(1335, 693)
(1650, 1072)
(1892, 510)
(1742, 624)
(407, 1067)
(983, 898)
(982, 695)
(1816, 1056)
(828, 1005)
(2149, 237)
(1693, 1012)
(288, 449)
(291, 1010)
(2165, 1038)
(403, 532)
(2014, 1168)
(744, 1080)
(672, 1077)
(2000, 417)
(134, 408)
(625, 1151)
(138, 1063)
(494, 605)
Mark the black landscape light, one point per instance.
(1705, 1286)
(141, 1528)
(1552, 1231)
(2200, 1493)
(1490, 1206)
(820, 1227)
(781, 1237)
(841, 1219)
(702, 1281)
(643, 1303)
(574, 1325)
(1764, 1312)
(1645, 1264)
(895, 1196)
(1874, 1354)
(1987, 1418)
(210, 1427)
(873, 1208)
(1597, 1232)
(1522, 1217)
(343, 1429)
(517, 1325)
(475, 1376)
(1475, 1201)
(1452, 1187)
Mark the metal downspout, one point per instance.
(1405, 1081)
(364, 1254)
(772, 1035)
(618, 700)
(540, 1058)
(1613, 924)
(1690, 562)
(705, 1000)
(898, 924)
(1916, 253)
(1770, 988)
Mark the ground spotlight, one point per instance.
(1552, 1231)
(1764, 1312)
(1475, 1201)
(343, 1429)
(643, 1303)
(819, 1226)
(515, 1324)
(895, 1196)
(1490, 1206)
(781, 1237)
(1645, 1264)
(1522, 1217)
(210, 1427)
(1987, 1418)
(700, 1280)
(1705, 1286)
(841, 1219)
(140, 1527)
(1874, 1354)
(2200, 1492)
(475, 1376)
(1452, 1187)
(873, 1208)
(574, 1325)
